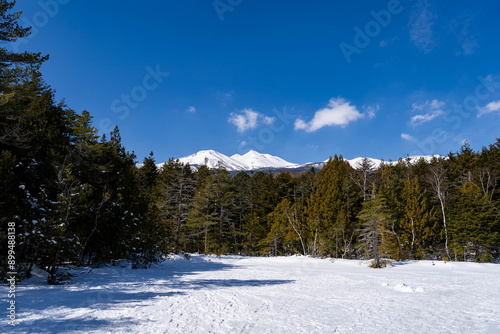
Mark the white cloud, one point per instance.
(431, 109)
(490, 107)
(461, 28)
(407, 137)
(388, 42)
(244, 121)
(249, 119)
(371, 111)
(269, 120)
(421, 24)
(300, 124)
(338, 112)
(191, 109)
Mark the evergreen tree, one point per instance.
(331, 209)
(475, 225)
(203, 217)
(439, 182)
(263, 200)
(149, 236)
(287, 233)
(374, 219)
(242, 187)
(175, 187)
(418, 220)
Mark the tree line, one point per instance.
(79, 198)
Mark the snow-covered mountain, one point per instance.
(212, 159)
(355, 163)
(253, 161)
(358, 161)
(250, 161)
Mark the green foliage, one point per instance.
(375, 237)
(76, 199)
(288, 231)
(475, 225)
(418, 221)
(332, 208)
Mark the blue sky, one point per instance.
(296, 79)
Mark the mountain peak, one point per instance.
(252, 152)
(253, 160)
(256, 160)
(249, 161)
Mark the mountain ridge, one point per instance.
(255, 161)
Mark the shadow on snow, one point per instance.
(109, 288)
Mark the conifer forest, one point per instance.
(78, 198)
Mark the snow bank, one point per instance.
(235, 294)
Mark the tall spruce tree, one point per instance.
(331, 209)
(418, 220)
(475, 225)
(176, 190)
(374, 232)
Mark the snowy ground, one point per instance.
(265, 295)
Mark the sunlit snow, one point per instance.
(234, 294)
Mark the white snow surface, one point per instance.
(355, 163)
(212, 159)
(249, 161)
(256, 160)
(236, 294)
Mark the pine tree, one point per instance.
(373, 234)
(361, 175)
(242, 186)
(19, 78)
(418, 220)
(438, 180)
(148, 236)
(331, 208)
(175, 187)
(475, 225)
(287, 230)
(263, 200)
(148, 173)
(203, 217)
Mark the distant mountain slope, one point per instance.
(255, 161)
(212, 159)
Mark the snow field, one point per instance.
(235, 294)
